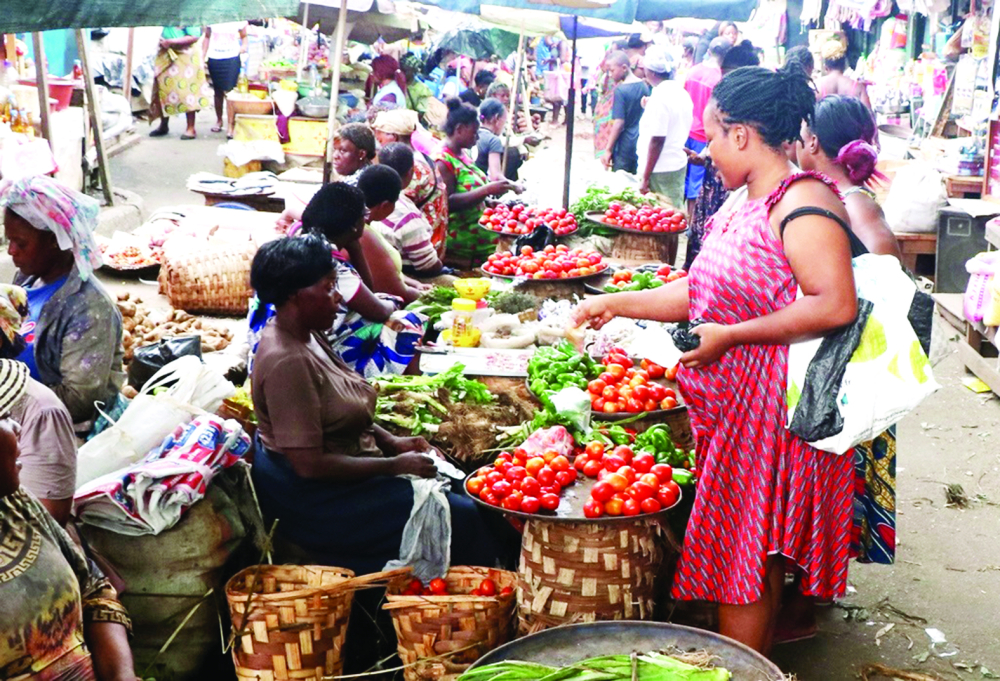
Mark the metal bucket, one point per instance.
(568, 644)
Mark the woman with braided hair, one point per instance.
(765, 497)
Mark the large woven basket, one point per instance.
(642, 247)
(440, 636)
(289, 621)
(213, 279)
(585, 572)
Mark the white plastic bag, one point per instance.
(888, 375)
(916, 196)
(151, 418)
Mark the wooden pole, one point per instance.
(337, 55)
(570, 118)
(10, 44)
(512, 107)
(94, 108)
(127, 84)
(42, 76)
(306, 37)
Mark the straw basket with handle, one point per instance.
(440, 636)
(290, 621)
(214, 278)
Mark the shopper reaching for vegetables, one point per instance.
(790, 234)
(322, 467)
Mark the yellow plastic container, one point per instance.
(463, 333)
(473, 289)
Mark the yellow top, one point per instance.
(463, 305)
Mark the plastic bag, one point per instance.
(556, 438)
(194, 389)
(887, 376)
(916, 196)
(149, 359)
(539, 238)
(426, 542)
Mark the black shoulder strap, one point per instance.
(857, 247)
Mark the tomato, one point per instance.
(634, 406)
(650, 506)
(643, 462)
(501, 488)
(613, 463)
(546, 476)
(651, 480)
(597, 404)
(438, 586)
(651, 405)
(602, 491)
(655, 370)
(666, 496)
(663, 472)
(610, 393)
(493, 477)
(530, 487)
(607, 378)
(549, 454)
(504, 456)
(475, 485)
(616, 370)
(511, 503)
(579, 462)
(489, 497)
(559, 463)
(549, 501)
(530, 504)
(640, 391)
(610, 407)
(657, 392)
(566, 478)
(625, 453)
(668, 403)
(595, 450)
(596, 386)
(640, 490)
(613, 506)
(671, 373)
(618, 481)
(506, 591)
(592, 468)
(503, 466)
(631, 507)
(593, 509)
(516, 473)
(628, 472)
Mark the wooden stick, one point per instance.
(513, 101)
(127, 85)
(570, 117)
(42, 77)
(93, 106)
(10, 44)
(876, 669)
(337, 55)
(305, 37)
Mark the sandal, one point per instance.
(216, 128)
(160, 132)
(186, 136)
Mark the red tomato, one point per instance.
(613, 463)
(546, 476)
(549, 501)
(616, 370)
(493, 477)
(625, 453)
(657, 392)
(506, 591)
(530, 505)
(579, 462)
(489, 497)
(668, 403)
(640, 490)
(592, 468)
(641, 392)
(487, 587)
(475, 485)
(596, 386)
(516, 473)
(663, 472)
(628, 472)
(613, 506)
(631, 507)
(566, 478)
(650, 506)
(643, 462)
(504, 456)
(501, 488)
(610, 407)
(559, 463)
(438, 586)
(651, 480)
(666, 496)
(593, 509)
(655, 370)
(530, 487)
(618, 481)
(595, 450)
(602, 491)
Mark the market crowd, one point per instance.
(779, 187)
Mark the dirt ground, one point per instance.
(947, 571)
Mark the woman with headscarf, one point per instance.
(427, 189)
(61, 617)
(386, 87)
(74, 329)
(180, 86)
(417, 92)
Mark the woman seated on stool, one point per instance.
(324, 468)
(74, 329)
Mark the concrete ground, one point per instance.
(947, 572)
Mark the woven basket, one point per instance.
(585, 572)
(434, 626)
(214, 279)
(294, 624)
(644, 247)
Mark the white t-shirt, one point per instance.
(224, 43)
(669, 112)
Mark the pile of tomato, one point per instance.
(520, 219)
(439, 587)
(623, 387)
(644, 218)
(553, 262)
(664, 274)
(627, 483)
(517, 482)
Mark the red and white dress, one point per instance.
(762, 490)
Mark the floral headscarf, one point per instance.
(53, 207)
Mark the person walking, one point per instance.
(180, 85)
(626, 111)
(835, 81)
(701, 80)
(224, 45)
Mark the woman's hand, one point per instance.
(412, 463)
(401, 445)
(500, 187)
(594, 310)
(694, 158)
(715, 340)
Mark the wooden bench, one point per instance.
(913, 245)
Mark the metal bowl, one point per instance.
(314, 107)
(571, 643)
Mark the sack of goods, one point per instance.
(848, 387)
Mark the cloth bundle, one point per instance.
(150, 496)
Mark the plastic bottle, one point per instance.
(77, 70)
(243, 83)
(464, 334)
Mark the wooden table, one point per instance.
(912, 245)
(961, 186)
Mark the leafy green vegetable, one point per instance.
(651, 667)
(513, 302)
(599, 198)
(434, 303)
(412, 402)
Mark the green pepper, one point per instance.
(683, 477)
(618, 435)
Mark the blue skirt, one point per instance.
(224, 73)
(359, 525)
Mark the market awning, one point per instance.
(534, 22)
(26, 16)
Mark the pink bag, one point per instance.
(982, 269)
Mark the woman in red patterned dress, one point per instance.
(765, 497)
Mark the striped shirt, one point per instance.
(408, 231)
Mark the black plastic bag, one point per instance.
(816, 415)
(149, 359)
(539, 238)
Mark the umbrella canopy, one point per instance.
(368, 20)
(475, 43)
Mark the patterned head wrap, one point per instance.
(396, 122)
(833, 49)
(410, 62)
(53, 207)
(13, 310)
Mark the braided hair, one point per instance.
(774, 103)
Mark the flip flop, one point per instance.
(185, 136)
(159, 132)
(217, 128)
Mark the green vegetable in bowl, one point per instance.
(647, 667)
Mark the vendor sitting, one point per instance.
(405, 229)
(331, 475)
(74, 329)
(353, 151)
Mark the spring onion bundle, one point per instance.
(647, 667)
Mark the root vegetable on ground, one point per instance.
(140, 327)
